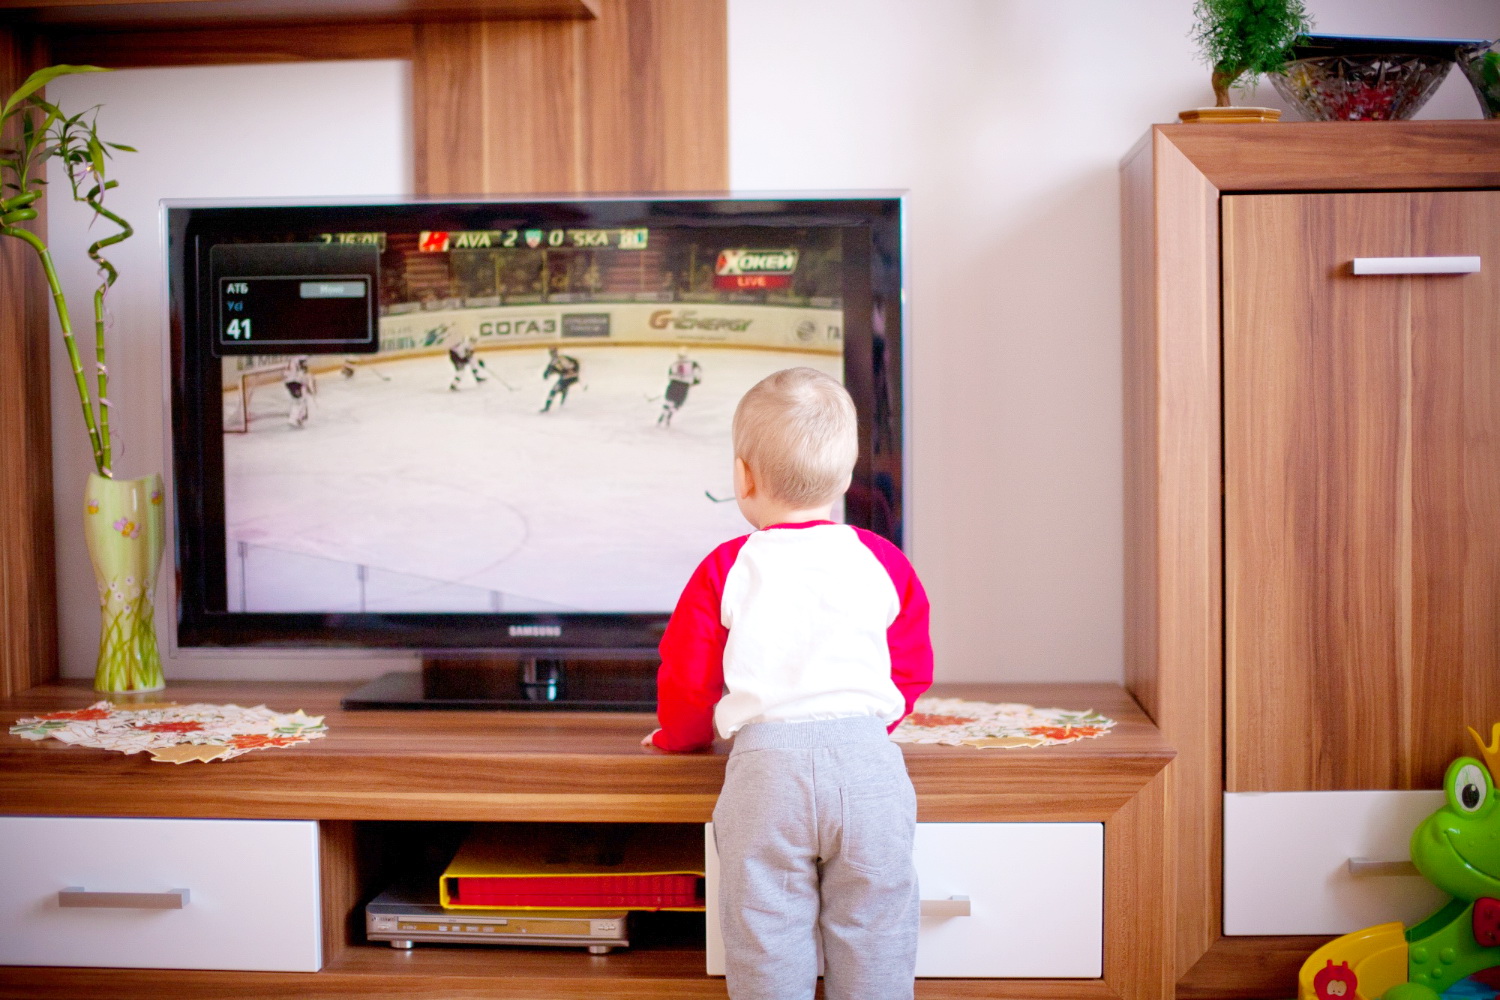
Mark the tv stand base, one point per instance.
(527, 685)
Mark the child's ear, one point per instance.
(744, 479)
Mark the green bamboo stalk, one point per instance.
(74, 142)
(30, 238)
(109, 275)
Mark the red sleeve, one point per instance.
(907, 637)
(691, 678)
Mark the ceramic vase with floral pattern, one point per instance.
(124, 525)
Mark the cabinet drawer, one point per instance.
(1036, 900)
(1286, 861)
(251, 902)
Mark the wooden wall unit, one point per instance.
(1173, 187)
(634, 101)
(28, 583)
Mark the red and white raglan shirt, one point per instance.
(793, 623)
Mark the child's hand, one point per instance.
(649, 739)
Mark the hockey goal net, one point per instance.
(256, 395)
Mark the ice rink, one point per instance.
(401, 495)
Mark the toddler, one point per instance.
(807, 642)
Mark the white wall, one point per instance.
(297, 130)
(1004, 119)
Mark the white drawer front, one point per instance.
(1036, 900)
(1286, 861)
(252, 893)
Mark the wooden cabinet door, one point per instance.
(1361, 489)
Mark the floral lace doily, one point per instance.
(984, 724)
(174, 733)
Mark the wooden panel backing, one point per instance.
(1455, 489)
(635, 101)
(1139, 941)
(1142, 537)
(169, 14)
(378, 973)
(1361, 577)
(1176, 498)
(340, 890)
(217, 46)
(1249, 968)
(28, 581)
(1316, 482)
(1341, 156)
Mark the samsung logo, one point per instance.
(536, 631)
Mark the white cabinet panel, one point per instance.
(1286, 861)
(251, 900)
(1035, 899)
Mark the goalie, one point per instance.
(298, 382)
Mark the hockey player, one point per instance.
(298, 382)
(462, 356)
(566, 368)
(682, 375)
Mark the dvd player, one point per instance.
(408, 916)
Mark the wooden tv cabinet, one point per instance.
(380, 776)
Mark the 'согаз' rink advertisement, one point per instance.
(750, 325)
(794, 328)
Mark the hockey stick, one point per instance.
(718, 499)
(497, 378)
(651, 399)
(380, 374)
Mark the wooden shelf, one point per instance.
(491, 975)
(116, 15)
(442, 765)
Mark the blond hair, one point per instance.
(796, 430)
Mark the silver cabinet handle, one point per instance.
(1369, 866)
(1416, 265)
(77, 895)
(953, 906)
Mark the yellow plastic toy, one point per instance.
(1457, 849)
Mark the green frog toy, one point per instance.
(1457, 849)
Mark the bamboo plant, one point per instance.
(41, 132)
(1241, 39)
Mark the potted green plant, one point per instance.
(123, 518)
(1242, 39)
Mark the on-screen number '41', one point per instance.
(239, 328)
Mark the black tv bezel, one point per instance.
(194, 430)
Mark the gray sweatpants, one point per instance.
(814, 833)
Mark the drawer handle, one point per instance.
(1416, 265)
(1364, 867)
(953, 906)
(77, 895)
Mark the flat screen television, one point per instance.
(501, 427)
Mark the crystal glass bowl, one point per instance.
(1481, 64)
(1380, 86)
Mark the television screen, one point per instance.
(499, 425)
